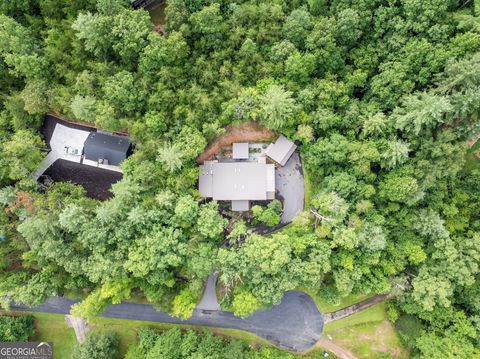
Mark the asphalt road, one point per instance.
(295, 324)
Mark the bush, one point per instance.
(244, 303)
(409, 328)
(97, 346)
(184, 304)
(16, 329)
(269, 216)
(392, 312)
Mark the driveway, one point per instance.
(209, 299)
(295, 324)
(290, 186)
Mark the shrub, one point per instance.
(97, 346)
(16, 329)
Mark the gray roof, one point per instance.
(240, 151)
(236, 181)
(281, 150)
(104, 146)
(239, 206)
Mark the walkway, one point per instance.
(46, 163)
(355, 308)
(290, 186)
(295, 324)
(80, 326)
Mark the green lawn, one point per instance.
(368, 334)
(53, 328)
(373, 314)
(307, 189)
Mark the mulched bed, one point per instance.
(96, 181)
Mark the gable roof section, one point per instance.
(281, 150)
(104, 146)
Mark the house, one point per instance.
(244, 177)
(106, 149)
(238, 182)
(281, 150)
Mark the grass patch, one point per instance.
(52, 328)
(368, 334)
(374, 314)
(307, 189)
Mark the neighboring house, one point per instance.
(246, 178)
(81, 144)
(281, 150)
(106, 149)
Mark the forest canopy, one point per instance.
(380, 95)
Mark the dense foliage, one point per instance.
(97, 346)
(176, 344)
(16, 329)
(381, 95)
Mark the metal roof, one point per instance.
(236, 181)
(105, 146)
(240, 151)
(281, 150)
(239, 206)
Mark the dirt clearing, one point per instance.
(244, 132)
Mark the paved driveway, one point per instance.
(295, 324)
(209, 299)
(290, 186)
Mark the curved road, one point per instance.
(295, 324)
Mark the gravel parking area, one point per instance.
(290, 186)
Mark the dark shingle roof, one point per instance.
(104, 146)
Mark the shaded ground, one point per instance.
(244, 132)
(96, 181)
(295, 324)
(156, 9)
